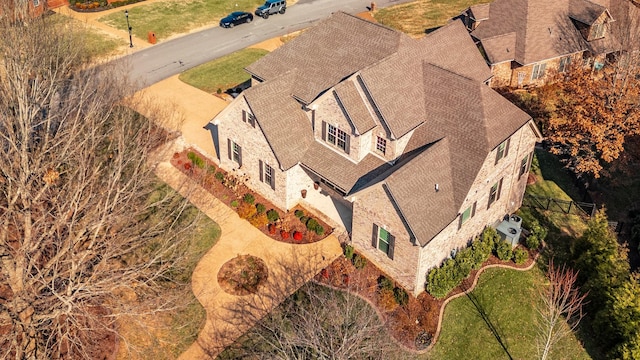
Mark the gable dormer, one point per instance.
(590, 19)
(474, 15)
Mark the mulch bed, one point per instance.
(412, 325)
(242, 275)
(232, 189)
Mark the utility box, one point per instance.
(151, 37)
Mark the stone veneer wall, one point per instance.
(328, 110)
(501, 74)
(374, 206)
(439, 248)
(254, 148)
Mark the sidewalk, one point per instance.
(290, 266)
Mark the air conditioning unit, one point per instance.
(510, 229)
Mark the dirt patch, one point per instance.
(242, 275)
(296, 226)
(414, 324)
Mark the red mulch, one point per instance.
(405, 323)
(288, 222)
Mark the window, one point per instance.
(597, 31)
(503, 150)
(381, 145)
(467, 214)
(383, 240)
(234, 151)
(564, 64)
(335, 136)
(248, 118)
(267, 174)
(523, 166)
(494, 193)
(538, 71)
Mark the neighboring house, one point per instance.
(33, 9)
(523, 40)
(404, 134)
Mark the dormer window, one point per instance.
(335, 137)
(381, 145)
(597, 31)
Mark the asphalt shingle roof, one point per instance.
(353, 104)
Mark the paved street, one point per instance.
(168, 58)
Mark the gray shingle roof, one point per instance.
(348, 44)
(286, 128)
(543, 29)
(353, 104)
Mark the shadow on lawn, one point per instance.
(494, 328)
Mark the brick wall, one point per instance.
(374, 206)
(501, 74)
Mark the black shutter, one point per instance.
(273, 178)
(506, 147)
(347, 144)
(261, 171)
(229, 149)
(324, 131)
(374, 236)
(392, 245)
(239, 156)
(460, 221)
(252, 119)
(497, 155)
(499, 189)
(244, 116)
(473, 209)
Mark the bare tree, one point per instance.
(83, 223)
(560, 300)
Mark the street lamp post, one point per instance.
(126, 15)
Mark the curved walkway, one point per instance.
(290, 266)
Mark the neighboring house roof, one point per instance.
(480, 12)
(544, 29)
(431, 90)
(348, 45)
(351, 101)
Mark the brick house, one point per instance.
(522, 40)
(403, 134)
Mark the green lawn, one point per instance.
(172, 17)
(415, 17)
(553, 180)
(223, 73)
(506, 299)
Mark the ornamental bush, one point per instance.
(319, 230)
(440, 281)
(219, 176)
(260, 209)
(348, 251)
(384, 283)
(359, 261)
(520, 256)
(249, 198)
(235, 203)
(196, 160)
(532, 241)
(245, 211)
(297, 235)
(312, 224)
(401, 296)
(298, 213)
(504, 251)
(273, 215)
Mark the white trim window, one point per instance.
(538, 71)
(381, 145)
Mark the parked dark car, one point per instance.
(236, 18)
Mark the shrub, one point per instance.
(401, 296)
(187, 166)
(384, 283)
(234, 203)
(490, 236)
(272, 229)
(359, 261)
(249, 198)
(219, 176)
(312, 224)
(304, 219)
(532, 241)
(298, 213)
(219, 91)
(324, 273)
(259, 220)
(440, 281)
(481, 252)
(246, 211)
(195, 159)
(319, 230)
(297, 236)
(537, 230)
(211, 169)
(465, 261)
(504, 250)
(284, 234)
(260, 208)
(520, 256)
(273, 215)
(348, 251)
(387, 300)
